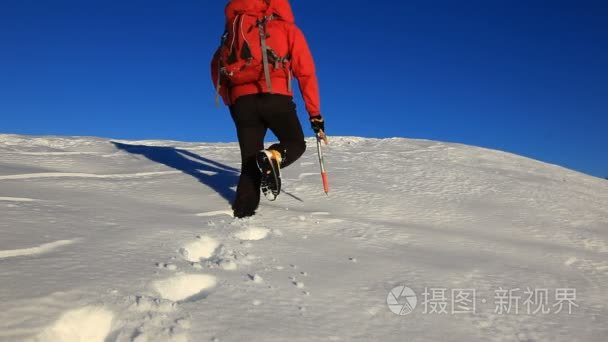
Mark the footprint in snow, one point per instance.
(203, 248)
(183, 286)
(89, 323)
(151, 304)
(170, 267)
(252, 234)
(256, 278)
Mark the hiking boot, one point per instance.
(269, 163)
(242, 213)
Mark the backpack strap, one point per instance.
(262, 28)
(218, 85)
(281, 61)
(267, 51)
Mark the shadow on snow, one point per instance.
(215, 175)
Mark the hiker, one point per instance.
(257, 88)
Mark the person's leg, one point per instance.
(250, 131)
(279, 114)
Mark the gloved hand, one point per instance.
(317, 123)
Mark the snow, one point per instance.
(201, 249)
(134, 241)
(256, 278)
(183, 286)
(252, 233)
(44, 248)
(17, 199)
(88, 324)
(83, 175)
(215, 213)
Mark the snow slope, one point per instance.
(133, 241)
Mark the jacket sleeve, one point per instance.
(222, 91)
(303, 67)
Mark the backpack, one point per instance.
(241, 53)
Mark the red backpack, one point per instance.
(241, 58)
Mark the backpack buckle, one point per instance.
(265, 19)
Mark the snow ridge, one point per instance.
(143, 246)
(44, 248)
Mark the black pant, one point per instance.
(253, 115)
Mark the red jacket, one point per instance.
(292, 43)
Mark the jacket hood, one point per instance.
(260, 8)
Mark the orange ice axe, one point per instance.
(322, 137)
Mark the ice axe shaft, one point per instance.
(322, 137)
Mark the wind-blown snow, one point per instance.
(83, 175)
(215, 213)
(134, 241)
(17, 199)
(44, 248)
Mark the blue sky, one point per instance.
(529, 77)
